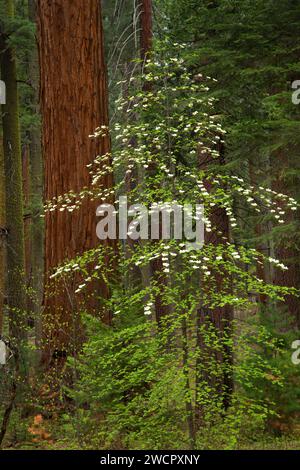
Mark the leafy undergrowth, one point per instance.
(270, 444)
(44, 434)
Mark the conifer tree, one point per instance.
(13, 186)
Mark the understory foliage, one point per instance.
(161, 381)
(134, 389)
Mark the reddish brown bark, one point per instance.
(219, 317)
(146, 28)
(259, 230)
(74, 103)
(287, 250)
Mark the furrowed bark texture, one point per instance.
(74, 103)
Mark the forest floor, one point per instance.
(38, 433)
(280, 443)
(276, 445)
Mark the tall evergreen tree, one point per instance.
(13, 185)
(254, 42)
(36, 186)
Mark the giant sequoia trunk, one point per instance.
(13, 188)
(74, 103)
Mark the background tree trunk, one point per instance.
(27, 221)
(287, 248)
(146, 28)
(36, 195)
(13, 187)
(146, 41)
(220, 317)
(2, 235)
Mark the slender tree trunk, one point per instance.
(146, 28)
(27, 220)
(190, 419)
(221, 317)
(2, 235)
(259, 230)
(36, 196)
(13, 187)
(146, 41)
(74, 102)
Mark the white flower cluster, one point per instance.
(278, 264)
(148, 308)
